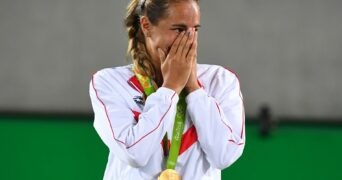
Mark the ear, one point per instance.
(145, 25)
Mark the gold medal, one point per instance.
(169, 174)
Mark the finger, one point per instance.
(175, 44)
(188, 44)
(193, 49)
(183, 44)
(162, 55)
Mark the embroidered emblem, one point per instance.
(139, 100)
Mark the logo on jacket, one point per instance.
(139, 100)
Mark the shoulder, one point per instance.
(112, 78)
(216, 73)
(217, 80)
(120, 72)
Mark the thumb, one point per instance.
(161, 55)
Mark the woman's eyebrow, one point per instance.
(184, 26)
(180, 26)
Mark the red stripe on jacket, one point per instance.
(108, 119)
(188, 138)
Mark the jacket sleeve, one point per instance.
(219, 122)
(133, 142)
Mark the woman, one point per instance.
(165, 115)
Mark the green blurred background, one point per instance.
(43, 147)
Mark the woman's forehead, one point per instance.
(186, 13)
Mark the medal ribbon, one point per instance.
(178, 126)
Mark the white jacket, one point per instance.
(213, 136)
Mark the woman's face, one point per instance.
(181, 17)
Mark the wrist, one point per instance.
(192, 88)
(173, 87)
